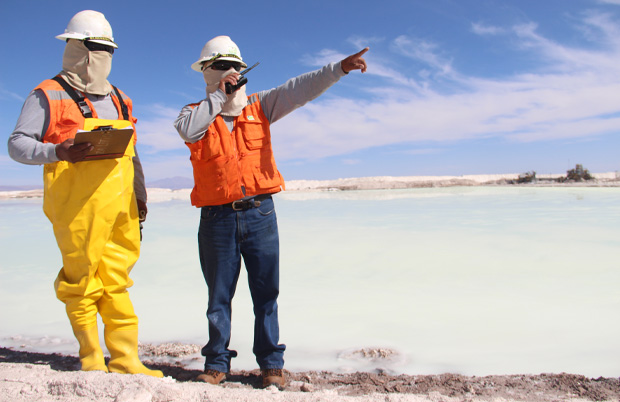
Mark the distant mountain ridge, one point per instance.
(22, 188)
(173, 183)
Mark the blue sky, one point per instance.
(453, 86)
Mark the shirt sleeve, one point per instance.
(296, 92)
(194, 120)
(139, 184)
(26, 141)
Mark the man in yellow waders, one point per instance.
(94, 205)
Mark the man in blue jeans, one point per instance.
(234, 176)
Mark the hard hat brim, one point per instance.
(78, 36)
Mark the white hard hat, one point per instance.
(219, 48)
(90, 25)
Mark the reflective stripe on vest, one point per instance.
(227, 164)
(65, 117)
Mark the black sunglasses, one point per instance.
(98, 47)
(225, 65)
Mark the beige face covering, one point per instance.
(85, 70)
(236, 101)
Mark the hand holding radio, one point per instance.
(239, 80)
(231, 88)
(229, 81)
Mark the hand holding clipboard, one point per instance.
(94, 145)
(106, 143)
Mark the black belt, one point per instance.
(249, 203)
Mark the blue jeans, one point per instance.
(224, 237)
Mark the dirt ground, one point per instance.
(534, 388)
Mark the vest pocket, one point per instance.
(266, 177)
(210, 183)
(254, 136)
(207, 148)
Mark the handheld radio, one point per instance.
(241, 81)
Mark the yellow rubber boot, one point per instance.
(91, 355)
(123, 348)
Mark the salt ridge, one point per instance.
(608, 179)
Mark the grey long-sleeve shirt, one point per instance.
(25, 142)
(193, 122)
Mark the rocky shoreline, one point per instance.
(28, 376)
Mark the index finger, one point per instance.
(361, 52)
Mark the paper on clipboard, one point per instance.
(107, 144)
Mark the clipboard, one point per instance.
(107, 143)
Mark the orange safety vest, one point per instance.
(66, 117)
(225, 164)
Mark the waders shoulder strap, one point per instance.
(122, 102)
(79, 100)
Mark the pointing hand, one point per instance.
(355, 62)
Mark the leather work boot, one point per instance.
(273, 377)
(211, 376)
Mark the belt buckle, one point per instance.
(240, 203)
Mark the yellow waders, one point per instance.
(93, 210)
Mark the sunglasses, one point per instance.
(224, 65)
(98, 47)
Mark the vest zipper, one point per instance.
(237, 160)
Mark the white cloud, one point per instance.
(423, 151)
(424, 52)
(323, 57)
(4, 94)
(481, 29)
(604, 34)
(616, 2)
(572, 94)
(156, 131)
(360, 42)
(535, 108)
(170, 166)
(608, 30)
